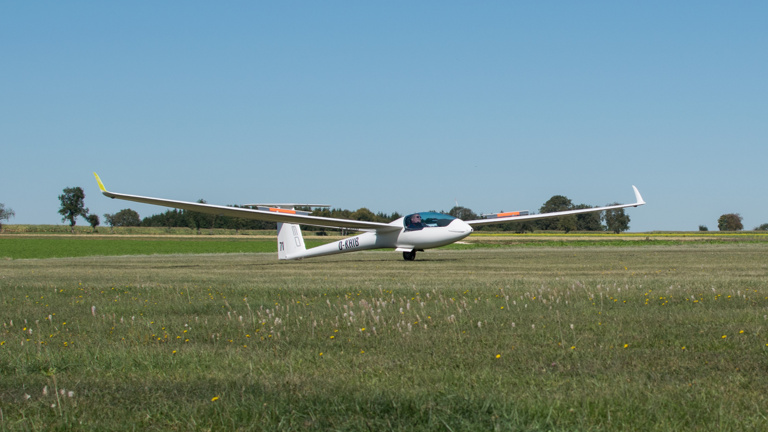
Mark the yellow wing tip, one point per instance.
(101, 185)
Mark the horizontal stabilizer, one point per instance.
(286, 205)
(284, 210)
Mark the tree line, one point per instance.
(732, 222)
(72, 206)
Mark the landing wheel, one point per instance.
(409, 256)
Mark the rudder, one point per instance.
(290, 242)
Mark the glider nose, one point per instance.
(460, 228)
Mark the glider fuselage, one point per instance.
(434, 230)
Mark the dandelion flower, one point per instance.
(214, 399)
(498, 355)
(626, 345)
(724, 336)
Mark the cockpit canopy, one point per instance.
(417, 221)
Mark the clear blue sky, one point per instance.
(393, 106)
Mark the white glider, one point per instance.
(408, 234)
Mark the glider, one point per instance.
(409, 234)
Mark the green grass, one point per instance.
(552, 338)
(149, 241)
(18, 247)
(72, 246)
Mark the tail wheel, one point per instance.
(409, 256)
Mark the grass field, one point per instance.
(18, 244)
(646, 336)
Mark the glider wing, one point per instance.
(270, 215)
(501, 219)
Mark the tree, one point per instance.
(616, 220)
(519, 227)
(703, 228)
(555, 204)
(202, 220)
(463, 213)
(730, 222)
(123, 218)
(588, 221)
(363, 214)
(567, 223)
(72, 205)
(93, 220)
(5, 214)
(763, 227)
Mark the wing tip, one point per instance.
(101, 185)
(638, 198)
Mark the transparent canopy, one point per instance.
(417, 221)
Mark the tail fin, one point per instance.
(290, 242)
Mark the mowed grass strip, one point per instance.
(80, 246)
(60, 246)
(604, 338)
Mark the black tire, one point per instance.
(409, 256)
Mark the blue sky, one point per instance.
(396, 106)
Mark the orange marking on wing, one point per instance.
(517, 213)
(282, 210)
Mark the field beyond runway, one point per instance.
(638, 336)
(23, 242)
